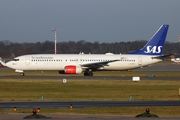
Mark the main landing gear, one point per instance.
(88, 73)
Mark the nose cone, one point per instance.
(9, 64)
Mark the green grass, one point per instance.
(52, 90)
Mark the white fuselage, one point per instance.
(60, 61)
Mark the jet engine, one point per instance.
(71, 69)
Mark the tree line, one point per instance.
(10, 49)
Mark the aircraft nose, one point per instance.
(9, 64)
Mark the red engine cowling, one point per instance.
(71, 69)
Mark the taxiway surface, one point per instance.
(81, 104)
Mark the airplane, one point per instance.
(88, 63)
(174, 59)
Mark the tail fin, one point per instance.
(155, 44)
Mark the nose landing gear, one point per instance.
(22, 74)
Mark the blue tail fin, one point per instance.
(155, 44)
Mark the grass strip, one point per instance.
(54, 90)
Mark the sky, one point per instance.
(90, 20)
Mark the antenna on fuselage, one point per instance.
(55, 39)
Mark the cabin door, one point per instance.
(139, 60)
(27, 60)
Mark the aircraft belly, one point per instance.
(120, 66)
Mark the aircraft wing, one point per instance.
(97, 65)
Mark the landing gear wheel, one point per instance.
(88, 73)
(22, 74)
(85, 73)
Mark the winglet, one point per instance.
(155, 44)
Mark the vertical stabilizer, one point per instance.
(155, 44)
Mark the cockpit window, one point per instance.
(15, 59)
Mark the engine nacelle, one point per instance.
(71, 69)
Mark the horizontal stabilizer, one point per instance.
(162, 56)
